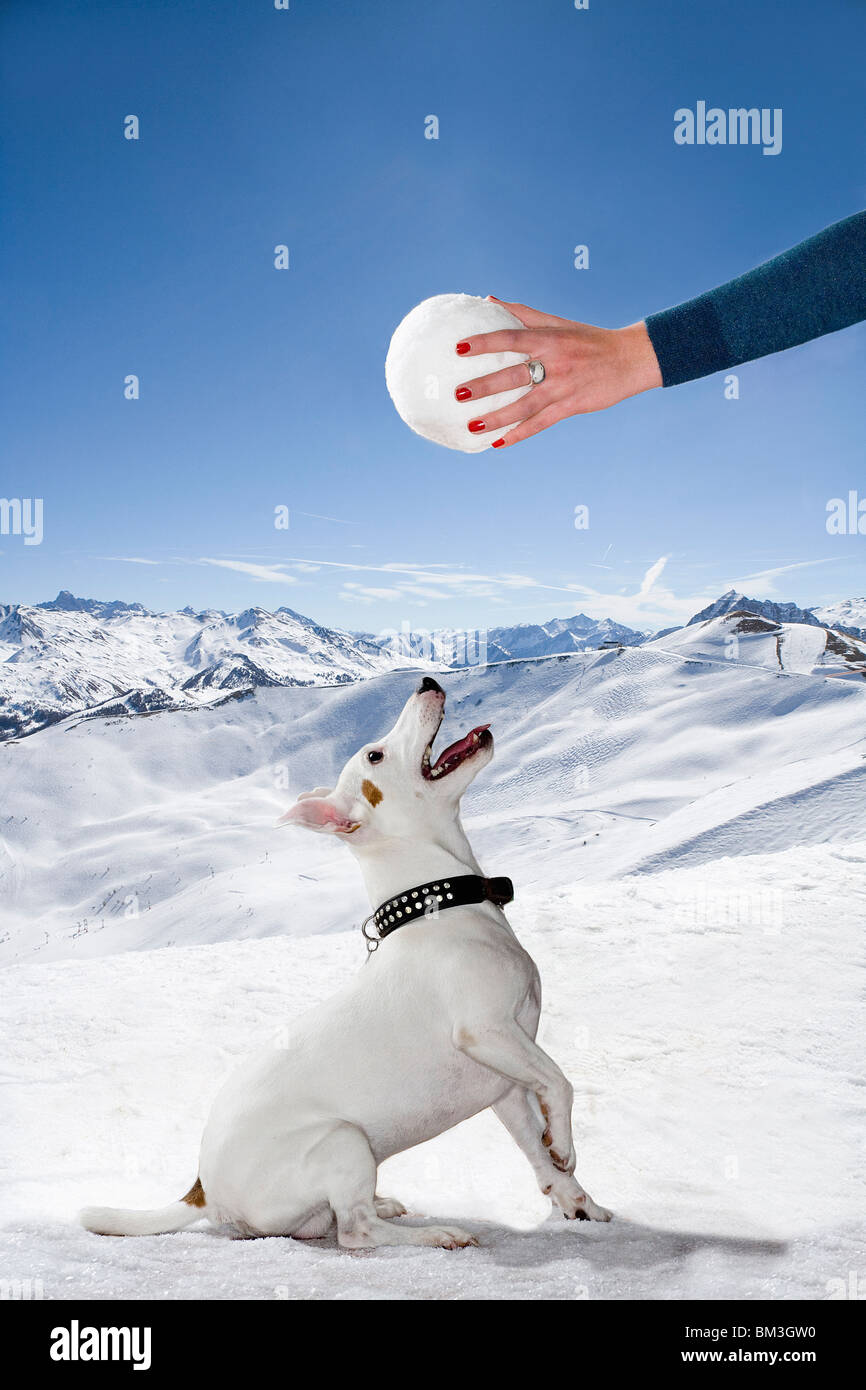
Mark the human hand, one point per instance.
(586, 369)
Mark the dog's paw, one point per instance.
(588, 1210)
(574, 1203)
(388, 1207)
(447, 1237)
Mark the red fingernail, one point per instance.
(476, 426)
(497, 444)
(462, 349)
(463, 393)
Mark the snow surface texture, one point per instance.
(684, 822)
(422, 369)
(715, 1059)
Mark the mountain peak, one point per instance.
(67, 602)
(764, 608)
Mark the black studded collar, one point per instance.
(429, 899)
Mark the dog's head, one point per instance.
(393, 788)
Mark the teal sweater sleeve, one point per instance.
(815, 288)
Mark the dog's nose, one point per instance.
(428, 683)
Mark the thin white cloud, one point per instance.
(766, 577)
(318, 516)
(274, 574)
(651, 606)
(360, 593)
(652, 574)
(420, 591)
(439, 574)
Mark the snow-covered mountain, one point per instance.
(847, 616)
(731, 735)
(455, 648)
(733, 600)
(66, 602)
(77, 654)
(108, 658)
(73, 654)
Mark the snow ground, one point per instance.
(710, 1017)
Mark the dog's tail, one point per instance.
(116, 1221)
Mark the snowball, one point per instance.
(422, 370)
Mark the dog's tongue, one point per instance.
(463, 745)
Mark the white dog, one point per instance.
(438, 1025)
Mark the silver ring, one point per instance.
(536, 373)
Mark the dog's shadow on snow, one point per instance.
(620, 1244)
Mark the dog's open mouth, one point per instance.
(455, 754)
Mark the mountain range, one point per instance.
(97, 658)
(76, 654)
(608, 762)
(454, 647)
(849, 616)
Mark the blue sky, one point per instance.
(262, 388)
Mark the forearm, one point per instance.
(815, 288)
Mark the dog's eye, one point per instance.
(375, 755)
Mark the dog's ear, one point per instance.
(322, 810)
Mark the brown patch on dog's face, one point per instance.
(371, 792)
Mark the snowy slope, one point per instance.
(746, 638)
(75, 654)
(849, 613)
(124, 833)
(710, 1018)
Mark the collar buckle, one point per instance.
(372, 942)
